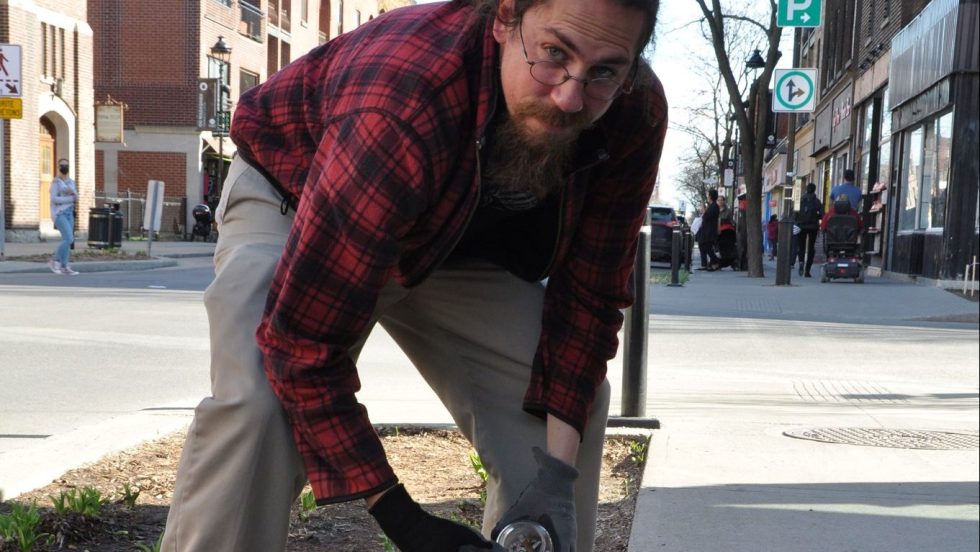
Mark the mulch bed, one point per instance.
(434, 465)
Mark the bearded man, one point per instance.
(472, 176)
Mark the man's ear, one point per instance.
(503, 21)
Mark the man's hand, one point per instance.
(412, 529)
(548, 500)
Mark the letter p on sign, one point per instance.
(798, 13)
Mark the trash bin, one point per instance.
(115, 226)
(98, 227)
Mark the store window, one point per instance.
(925, 174)
(246, 80)
(867, 127)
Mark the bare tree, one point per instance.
(696, 171)
(711, 124)
(750, 116)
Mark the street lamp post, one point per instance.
(784, 239)
(221, 51)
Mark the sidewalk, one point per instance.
(745, 376)
(164, 253)
(742, 376)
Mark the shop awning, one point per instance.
(211, 147)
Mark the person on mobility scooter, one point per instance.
(842, 227)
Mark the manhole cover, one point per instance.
(892, 438)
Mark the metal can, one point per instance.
(525, 536)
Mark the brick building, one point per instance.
(57, 104)
(896, 102)
(152, 55)
(78, 56)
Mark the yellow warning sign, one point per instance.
(11, 108)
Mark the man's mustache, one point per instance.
(554, 117)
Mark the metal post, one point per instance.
(688, 248)
(675, 257)
(3, 209)
(784, 245)
(636, 334)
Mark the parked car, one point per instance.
(663, 220)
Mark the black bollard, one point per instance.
(675, 257)
(784, 249)
(636, 334)
(688, 244)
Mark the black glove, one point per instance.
(549, 500)
(412, 529)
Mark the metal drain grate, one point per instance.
(891, 438)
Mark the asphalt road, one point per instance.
(79, 350)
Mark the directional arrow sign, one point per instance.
(793, 91)
(10, 84)
(798, 13)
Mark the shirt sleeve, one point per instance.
(363, 193)
(584, 298)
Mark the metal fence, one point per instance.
(133, 204)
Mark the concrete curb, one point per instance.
(27, 267)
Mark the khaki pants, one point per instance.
(471, 329)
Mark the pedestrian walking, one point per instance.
(808, 219)
(709, 232)
(772, 235)
(63, 193)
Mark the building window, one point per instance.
(251, 14)
(61, 53)
(357, 18)
(224, 2)
(304, 11)
(340, 18)
(246, 80)
(925, 174)
(885, 144)
(44, 48)
(867, 134)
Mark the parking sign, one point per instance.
(798, 13)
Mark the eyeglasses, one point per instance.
(553, 73)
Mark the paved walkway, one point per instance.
(743, 375)
(162, 254)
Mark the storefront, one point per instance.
(932, 221)
(873, 156)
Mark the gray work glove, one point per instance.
(549, 500)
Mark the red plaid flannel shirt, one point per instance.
(375, 134)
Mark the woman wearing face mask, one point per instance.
(63, 194)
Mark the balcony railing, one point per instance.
(251, 23)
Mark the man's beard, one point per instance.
(518, 159)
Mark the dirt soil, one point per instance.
(434, 465)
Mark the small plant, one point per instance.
(463, 521)
(386, 543)
(307, 503)
(147, 548)
(638, 451)
(21, 526)
(130, 494)
(664, 277)
(481, 472)
(88, 502)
